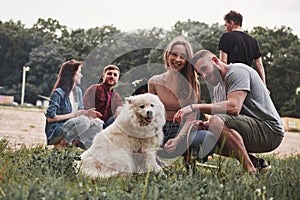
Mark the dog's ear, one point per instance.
(129, 100)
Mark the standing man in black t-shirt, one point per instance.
(237, 46)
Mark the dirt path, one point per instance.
(25, 126)
(22, 126)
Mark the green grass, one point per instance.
(43, 173)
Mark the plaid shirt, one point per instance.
(96, 96)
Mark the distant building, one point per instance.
(6, 99)
(291, 124)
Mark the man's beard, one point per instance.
(110, 84)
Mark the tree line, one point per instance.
(139, 54)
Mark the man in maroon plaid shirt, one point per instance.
(102, 96)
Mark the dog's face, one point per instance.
(146, 109)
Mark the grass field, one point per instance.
(43, 173)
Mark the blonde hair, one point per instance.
(188, 72)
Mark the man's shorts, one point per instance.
(257, 136)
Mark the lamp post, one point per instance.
(25, 69)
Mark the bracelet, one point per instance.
(192, 107)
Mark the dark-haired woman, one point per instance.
(67, 122)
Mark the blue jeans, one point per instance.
(80, 128)
(109, 121)
(202, 142)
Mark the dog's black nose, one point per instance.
(149, 114)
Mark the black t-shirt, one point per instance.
(240, 47)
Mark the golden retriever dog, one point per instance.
(129, 144)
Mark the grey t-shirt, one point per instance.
(258, 103)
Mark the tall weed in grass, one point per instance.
(43, 173)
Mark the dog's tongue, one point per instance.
(149, 119)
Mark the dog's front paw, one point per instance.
(155, 167)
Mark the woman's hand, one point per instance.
(171, 144)
(91, 113)
(181, 113)
(201, 125)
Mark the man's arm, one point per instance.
(233, 105)
(89, 97)
(260, 69)
(117, 104)
(223, 56)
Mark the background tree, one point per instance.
(44, 63)
(202, 35)
(280, 53)
(139, 54)
(49, 30)
(81, 42)
(127, 51)
(16, 43)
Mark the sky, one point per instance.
(130, 15)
